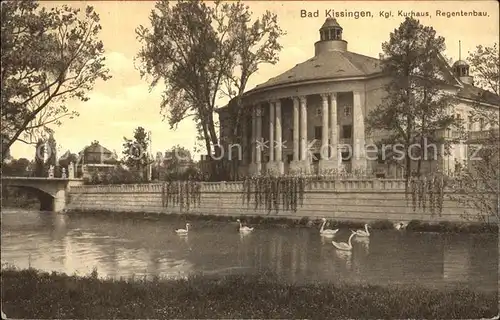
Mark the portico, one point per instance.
(317, 143)
(310, 119)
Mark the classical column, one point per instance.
(333, 129)
(324, 128)
(295, 128)
(359, 159)
(278, 137)
(271, 131)
(253, 140)
(303, 128)
(258, 129)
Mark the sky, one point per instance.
(121, 104)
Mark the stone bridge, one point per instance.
(52, 192)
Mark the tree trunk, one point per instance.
(206, 136)
(408, 170)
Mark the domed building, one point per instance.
(315, 112)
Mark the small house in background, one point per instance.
(95, 158)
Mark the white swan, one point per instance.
(363, 233)
(183, 231)
(327, 232)
(400, 225)
(344, 246)
(244, 228)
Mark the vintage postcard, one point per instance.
(250, 159)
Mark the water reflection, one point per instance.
(244, 235)
(363, 242)
(345, 257)
(126, 247)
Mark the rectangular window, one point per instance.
(469, 124)
(347, 131)
(289, 158)
(317, 132)
(291, 135)
(481, 124)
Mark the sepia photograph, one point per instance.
(250, 159)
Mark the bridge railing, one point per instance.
(55, 172)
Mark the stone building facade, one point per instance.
(315, 113)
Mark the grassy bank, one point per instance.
(289, 222)
(37, 295)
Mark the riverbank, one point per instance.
(287, 222)
(34, 294)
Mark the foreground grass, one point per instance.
(36, 295)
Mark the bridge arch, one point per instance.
(51, 192)
(45, 199)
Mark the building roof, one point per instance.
(96, 148)
(342, 64)
(327, 65)
(474, 93)
(329, 23)
(460, 63)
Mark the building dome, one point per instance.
(460, 63)
(461, 71)
(331, 61)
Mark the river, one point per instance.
(142, 247)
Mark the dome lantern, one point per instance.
(461, 68)
(330, 37)
(330, 30)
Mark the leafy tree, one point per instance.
(117, 175)
(175, 156)
(40, 159)
(203, 53)
(485, 67)
(66, 159)
(48, 57)
(136, 151)
(17, 168)
(415, 108)
(15, 196)
(477, 185)
(173, 165)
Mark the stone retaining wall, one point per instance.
(366, 200)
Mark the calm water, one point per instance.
(124, 247)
